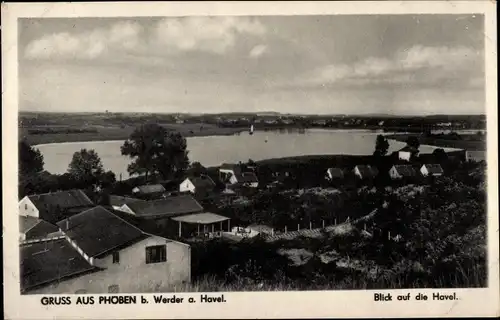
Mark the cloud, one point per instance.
(257, 51)
(208, 34)
(418, 64)
(214, 35)
(86, 45)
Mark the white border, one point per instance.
(473, 302)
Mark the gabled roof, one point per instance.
(201, 218)
(405, 170)
(246, 177)
(97, 231)
(65, 200)
(202, 182)
(48, 261)
(118, 201)
(150, 188)
(336, 172)
(38, 227)
(367, 171)
(171, 206)
(231, 166)
(433, 168)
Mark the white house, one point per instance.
(201, 184)
(406, 153)
(365, 171)
(88, 258)
(51, 206)
(334, 173)
(232, 174)
(402, 171)
(431, 170)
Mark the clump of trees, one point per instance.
(156, 152)
(381, 146)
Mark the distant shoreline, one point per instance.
(80, 138)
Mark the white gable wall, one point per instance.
(404, 155)
(27, 208)
(187, 185)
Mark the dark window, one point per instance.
(156, 254)
(116, 257)
(114, 289)
(25, 206)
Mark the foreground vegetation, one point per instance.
(425, 233)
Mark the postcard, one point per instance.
(250, 160)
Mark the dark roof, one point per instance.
(27, 222)
(151, 188)
(65, 200)
(35, 228)
(121, 200)
(48, 261)
(246, 177)
(202, 182)
(336, 172)
(434, 168)
(171, 206)
(97, 231)
(367, 171)
(230, 166)
(405, 170)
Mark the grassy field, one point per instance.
(55, 134)
(468, 142)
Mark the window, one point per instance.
(116, 257)
(25, 206)
(81, 291)
(156, 254)
(114, 289)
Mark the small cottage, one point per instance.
(334, 173)
(402, 171)
(150, 190)
(406, 153)
(197, 185)
(431, 170)
(365, 172)
(54, 206)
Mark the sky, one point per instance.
(336, 64)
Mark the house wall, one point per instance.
(424, 171)
(27, 208)
(132, 274)
(404, 155)
(233, 179)
(394, 174)
(357, 173)
(187, 185)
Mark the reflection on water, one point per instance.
(214, 150)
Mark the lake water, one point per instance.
(213, 150)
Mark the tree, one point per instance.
(412, 141)
(86, 166)
(155, 150)
(30, 159)
(381, 146)
(197, 169)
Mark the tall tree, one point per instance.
(412, 141)
(30, 159)
(86, 166)
(381, 146)
(155, 150)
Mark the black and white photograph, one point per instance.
(252, 153)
